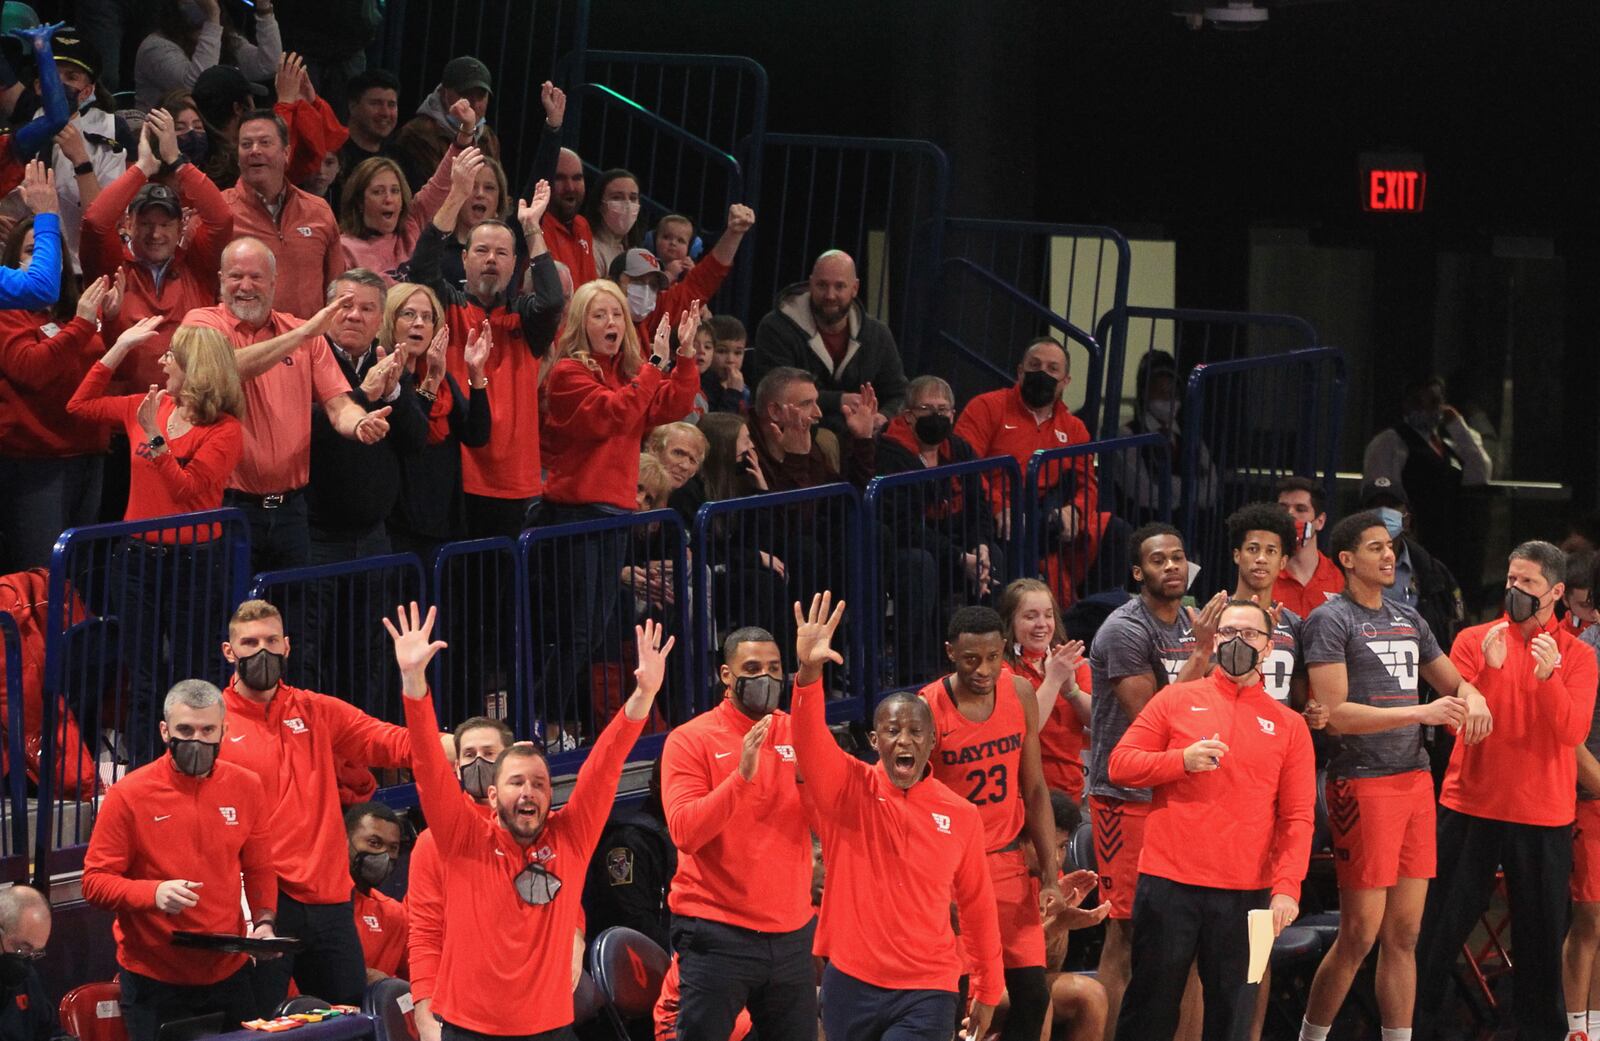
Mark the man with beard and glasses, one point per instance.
(900, 847)
(298, 227)
(1144, 645)
(286, 366)
(741, 899)
(135, 229)
(170, 844)
(1509, 802)
(1229, 829)
(514, 883)
(502, 477)
(374, 833)
(476, 744)
(819, 326)
(988, 752)
(1030, 417)
(293, 740)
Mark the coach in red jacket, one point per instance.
(1229, 830)
(170, 844)
(166, 270)
(1509, 800)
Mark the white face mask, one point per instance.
(1163, 410)
(641, 300)
(620, 215)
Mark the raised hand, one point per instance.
(111, 306)
(554, 100)
(414, 647)
(750, 753)
(741, 218)
(688, 324)
(652, 669)
(165, 129)
(1061, 664)
(1494, 646)
(72, 144)
(39, 188)
(531, 211)
(479, 343)
(93, 298)
(464, 172)
(1205, 621)
(813, 637)
(466, 115)
(1546, 656)
(287, 81)
(661, 344)
(136, 334)
(147, 411)
(861, 418)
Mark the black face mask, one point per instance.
(1519, 605)
(932, 430)
(13, 970)
(195, 758)
(262, 670)
(476, 777)
(371, 869)
(195, 146)
(758, 696)
(1039, 388)
(1236, 658)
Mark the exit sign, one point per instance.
(1393, 182)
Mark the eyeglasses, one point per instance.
(166, 356)
(23, 951)
(1228, 632)
(409, 315)
(933, 410)
(536, 886)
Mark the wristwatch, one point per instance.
(85, 167)
(155, 444)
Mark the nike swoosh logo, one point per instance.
(723, 755)
(1199, 708)
(236, 739)
(946, 733)
(163, 817)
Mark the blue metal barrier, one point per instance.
(133, 608)
(988, 321)
(882, 200)
(1191, 336)
(679, 171)
(755, 557)
(940, 545)
(588, 583)
(1021, 279)
(333, 615)
(14, 804)
(520, 42)
(1087, 552)
(1249, 422)
(481, 598)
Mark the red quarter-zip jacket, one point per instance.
(381, 924)
(158, 823)
(1245, 825)
(425, 908)
(1524, 771)
(896, 857)
(293, 743)
(744, 847)
(506, 967)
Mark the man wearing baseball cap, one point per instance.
(163, 272)
(423, 140)
(223, 96)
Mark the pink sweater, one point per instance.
(389, 255)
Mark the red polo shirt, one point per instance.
(381, 924)
(574, 247)
(303, 236)
(998, 423)
(1326, 583)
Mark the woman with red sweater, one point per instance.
(170, 591)
(600, 399)
(1038, 650)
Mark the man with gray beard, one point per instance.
(285, 365)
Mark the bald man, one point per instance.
(285, 364)
(819, 326)
(566, 231)
(26, 1011)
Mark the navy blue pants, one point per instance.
(857, 1011)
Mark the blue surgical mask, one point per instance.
(1393, 520)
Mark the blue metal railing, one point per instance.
(1036, 279)
(14, 805)
(1191, 336)
(882, 200)
(1088, 554)
(482, 604)
(586, 585)
(1249, 422)
(757, 556)
(133, 608)
(941, 546)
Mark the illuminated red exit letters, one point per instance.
(1396, 190)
